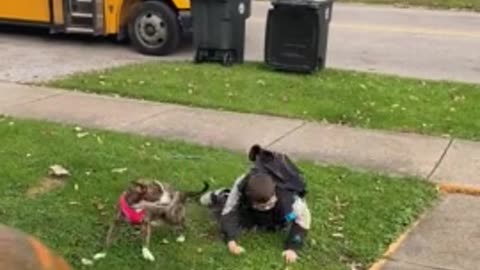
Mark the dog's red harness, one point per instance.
(133, 216)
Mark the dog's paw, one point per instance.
(147, 255)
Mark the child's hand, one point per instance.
(234, 248)
(290, 256)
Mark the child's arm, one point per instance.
(301, 221)
(229, 220)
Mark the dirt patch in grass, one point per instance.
(45, 185)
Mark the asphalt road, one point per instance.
(408, 42)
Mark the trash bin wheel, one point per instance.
(199, 56)
(227, 58)
(153, 28)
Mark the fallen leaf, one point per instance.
(87, 262)
(356, 266)
(78, 129)
(28, 155)
(165, 241)
(58, 170)
(261, 82)
(100, 206)
(459, 98)
(414, 98)
(82, 135)
(181, 239)
(119, 170)
(338, 235)
(99, 256)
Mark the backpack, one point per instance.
(285, 173)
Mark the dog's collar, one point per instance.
(133, 216)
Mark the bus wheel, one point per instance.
(153, 28)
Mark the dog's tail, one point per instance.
(194, 194)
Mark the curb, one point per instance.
(394, 247)
(445, 188)
(451, 188)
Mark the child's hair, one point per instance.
(260, 187)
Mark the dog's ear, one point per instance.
(139, 187)
(254, 151)
(160, 185)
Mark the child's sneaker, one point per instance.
(211, 198)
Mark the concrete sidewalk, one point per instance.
(438, 159)
(444, 239)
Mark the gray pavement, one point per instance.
(446, 238)
(410, 42)
(395, 153)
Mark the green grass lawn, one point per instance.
(440, 4)
(367, 209)
(351, 98)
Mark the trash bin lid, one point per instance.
(310, 3)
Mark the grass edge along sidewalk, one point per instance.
(356, 215)
(350, 98)
(468, 5)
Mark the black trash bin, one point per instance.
(219, 30)
(297, 34)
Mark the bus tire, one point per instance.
(154, 29)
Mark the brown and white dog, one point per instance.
(148, 203)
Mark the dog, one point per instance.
(21, 251)
(150, 203)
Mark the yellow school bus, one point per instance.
(154, 27)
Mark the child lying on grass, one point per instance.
(269, 197)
